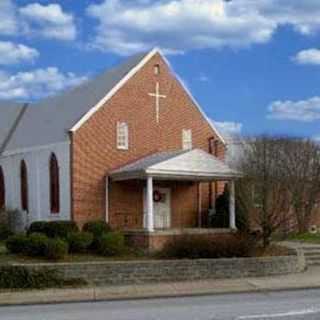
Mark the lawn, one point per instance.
(305, 237)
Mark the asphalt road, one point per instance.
(295, 305)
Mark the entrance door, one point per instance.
(161, 207)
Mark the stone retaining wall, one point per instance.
(138, 272)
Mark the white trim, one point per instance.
(30, 149)
(123, 81)
(150, 209)
(114, 90)
(107, 199)
(186, 139)
(122, 135)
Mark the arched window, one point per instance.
(2, 190)
(24, 186)
(54, 184)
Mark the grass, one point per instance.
(305, 237)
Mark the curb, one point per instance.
(53, 298)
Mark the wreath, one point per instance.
(157, 196)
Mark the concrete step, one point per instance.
(312, 253)
(310, 248)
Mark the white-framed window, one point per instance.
(186, 139)
(122, 136)
(156, 69)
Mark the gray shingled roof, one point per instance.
(49, 120)
(9, 113)
(193, 164)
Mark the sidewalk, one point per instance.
(307, 280)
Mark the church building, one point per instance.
(131, 147)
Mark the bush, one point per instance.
(57, 249)
(38, 227)
(111, 244)
(19, 277)
(79, 242)
(97, 228)
(5, 232)
(61, 229)
(200, 247)
(17, 244)
(53, 229)
(36, 245)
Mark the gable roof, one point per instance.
(50, 120)
(10, 113)
(193, 164)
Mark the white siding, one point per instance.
(37, 162)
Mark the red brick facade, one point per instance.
(94, 151)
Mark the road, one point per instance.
(295, 305)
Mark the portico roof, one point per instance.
(190, 165)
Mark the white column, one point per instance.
(107, 199)
(199, 205)
(150, 218)
(232, 206)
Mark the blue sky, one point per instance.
(254, 66)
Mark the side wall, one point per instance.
(94, 151)
(37, 161)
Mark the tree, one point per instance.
(301, 165)
(262, 190)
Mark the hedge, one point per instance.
(79, 242)
(111, 244)
(53, 229)
(200, 247)
(5, 232)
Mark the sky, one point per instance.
(253, 65)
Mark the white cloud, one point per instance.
(11, 53)
(36, 84)
(48, 21)
(228, 128)
(126, 27)
(175, 25)
(8, 20)
(304, 110)
(309, 56)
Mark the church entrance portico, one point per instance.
(171, 191)
(161, 208)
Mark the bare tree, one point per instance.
(262, 190)
(301, 165)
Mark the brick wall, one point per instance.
(94, 151)
(139, 272)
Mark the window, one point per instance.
(122, 136)
(24, 186)
(54, 184)
(2, 190)
(156, 69)
(186, 139)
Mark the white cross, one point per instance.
(157, 95)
